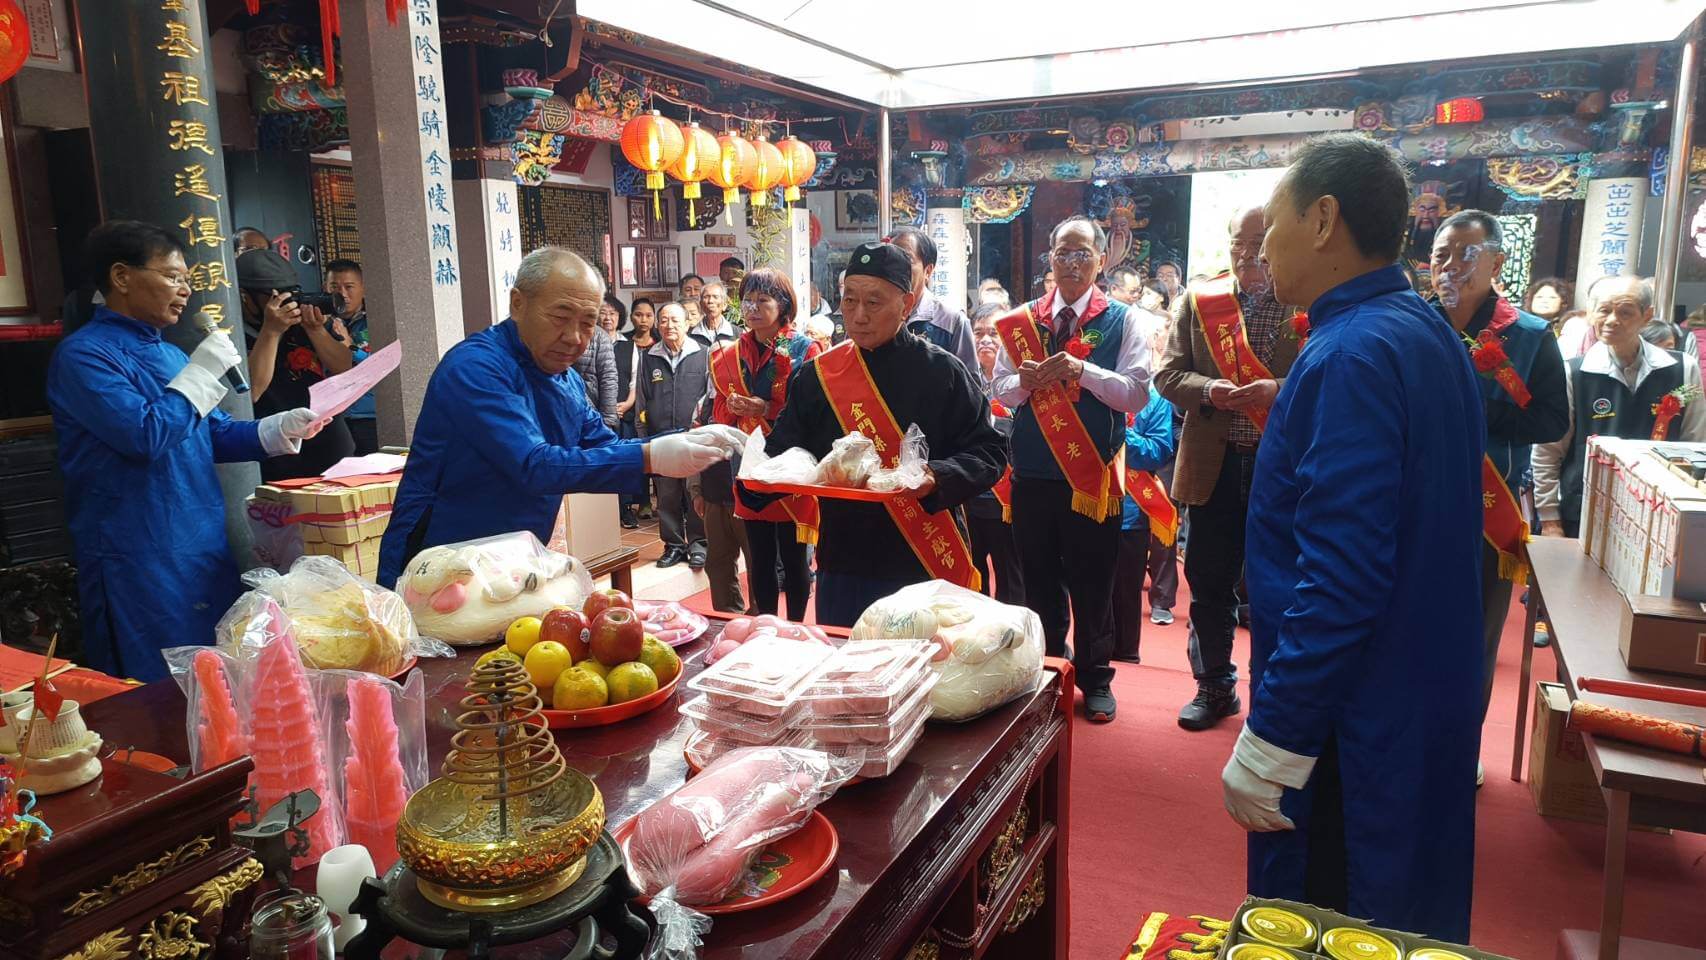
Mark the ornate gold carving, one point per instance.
(139, 876)
(926, 948)
(171, 936)
(1031, 899)
(108, 946)
(215, 894)
(1002, 857)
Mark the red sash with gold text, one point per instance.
(730, 381)
(1216, 305)
(1501, 516)
(1152, 498)
(1097, 488)
(853, 395)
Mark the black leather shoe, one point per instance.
(1212, 704)
(1099, 706)
(696, 559)
(629, 521)
(672, 556)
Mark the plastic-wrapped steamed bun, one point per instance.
(850, 462)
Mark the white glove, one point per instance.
(681, 455)
(720, 435)
(216, 354)
(202, 381)
(1255, 779)
(282, 433)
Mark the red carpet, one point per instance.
(1149, 831)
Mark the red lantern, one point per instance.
(799, 162)
(699, 155)
(735, 158)
(14, 39)
(766, 173)
(652, 141)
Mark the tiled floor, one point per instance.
(669, 583)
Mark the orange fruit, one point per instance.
(522, 634)
(545, 662)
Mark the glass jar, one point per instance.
(290, 925)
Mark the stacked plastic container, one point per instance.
(753, 697)
(870, 701)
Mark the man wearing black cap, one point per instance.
(290, 349)
(881, 381)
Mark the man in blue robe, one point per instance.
(139, 432)
(506, 428)
(1355, 770)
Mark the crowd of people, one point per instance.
(1347, 468)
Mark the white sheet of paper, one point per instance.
(333, 395)
(362, 466)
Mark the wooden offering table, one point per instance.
(960, 853)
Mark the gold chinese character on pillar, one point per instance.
(192, 180)
(202, 231)
(181, 88)
(189, 135)
(205, 277)
(177, 42)
(174, 6)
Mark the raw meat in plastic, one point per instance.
(693, 845)
(994, 650)
(467, 593)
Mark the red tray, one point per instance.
(809, 852)
(616, 713)
(833, 493)
(402, 673)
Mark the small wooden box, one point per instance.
(141, 864)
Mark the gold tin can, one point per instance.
(1280, 928)
(1259, 951)
(1355, 943)
(1436, 953)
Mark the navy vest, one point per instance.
(1603, 406)
(1032, 459)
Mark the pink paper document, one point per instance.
(333, 395)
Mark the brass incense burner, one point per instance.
(508, 824)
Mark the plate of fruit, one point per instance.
(594, 665)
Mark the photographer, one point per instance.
(291, 347)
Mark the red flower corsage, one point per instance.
(1078, 347)
(1488, 353)
(1669, 406)
(1300, 328)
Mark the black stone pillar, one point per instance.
(158, 158)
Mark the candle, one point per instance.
(338, 881)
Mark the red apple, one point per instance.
(569, 627)
(599, 601)
(618, 636)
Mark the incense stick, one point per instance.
(35, 714)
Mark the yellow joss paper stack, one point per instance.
(323, 518)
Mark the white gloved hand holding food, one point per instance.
(1256, 777)
(680, 455)
(282, 433)
(720, 435)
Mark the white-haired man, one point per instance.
(506, 429)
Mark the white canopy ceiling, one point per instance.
(907, 53)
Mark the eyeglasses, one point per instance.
(1246, 246)
(175, 279)
(1072, 258)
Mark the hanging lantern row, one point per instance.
(656, 144)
